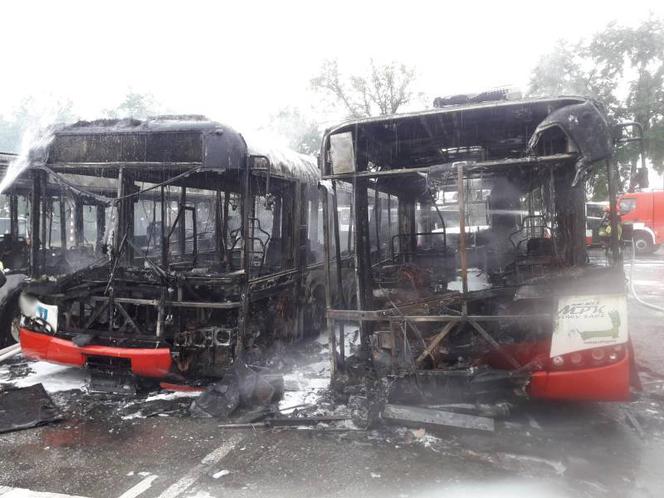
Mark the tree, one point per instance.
(303, 133)
(622, 67)
(135, 105)
(383, 90)
(559, 72)
(634, 58)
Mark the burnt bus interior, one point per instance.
(14, 230)
(209, 247)
(453, 232)
(68, 225)
(14, 215)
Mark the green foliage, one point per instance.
(622, 67)
(135, 105)
(303, 133)
(559, 72)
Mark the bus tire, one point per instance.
(643, 243)
(8, 316)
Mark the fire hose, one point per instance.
(631, 285)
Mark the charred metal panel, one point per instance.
(453, 133)
(224, 149)
(171, 139)
(127, 147)
(585, 125)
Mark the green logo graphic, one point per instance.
(611, 333)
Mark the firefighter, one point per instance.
(604, 230)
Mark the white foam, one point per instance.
(173, 395)
(54, 378)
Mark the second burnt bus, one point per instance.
(463, 262)
(211, 250)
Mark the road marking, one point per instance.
(9, 492)
(210, 460)
(140, 488)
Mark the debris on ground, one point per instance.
(241, 386)
(420, 415)
(21, 372)
(26, 407)
(634, 422)
(286, 422)
(221, 473)
(492, 410)
(359, 410)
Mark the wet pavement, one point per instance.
(113, 446)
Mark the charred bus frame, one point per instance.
(13, 246)
(418, 316)
(62, 218)
(63, 228)
(178, 301)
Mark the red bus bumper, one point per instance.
(144, 362)
(605, 383)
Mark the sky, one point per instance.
(240, 62)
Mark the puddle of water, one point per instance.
(502, 489)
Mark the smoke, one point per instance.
(33, 143)
(39, 126)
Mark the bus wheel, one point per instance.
(315, 321)
(643, 243)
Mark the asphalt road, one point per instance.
(125, 447)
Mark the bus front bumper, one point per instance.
(153, 362)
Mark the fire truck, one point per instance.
(645, 212)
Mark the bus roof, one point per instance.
(544, 104)
(284, 162)
(178, 143)
(494, 136)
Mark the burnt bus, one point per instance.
(479, 283)
(211, 250)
